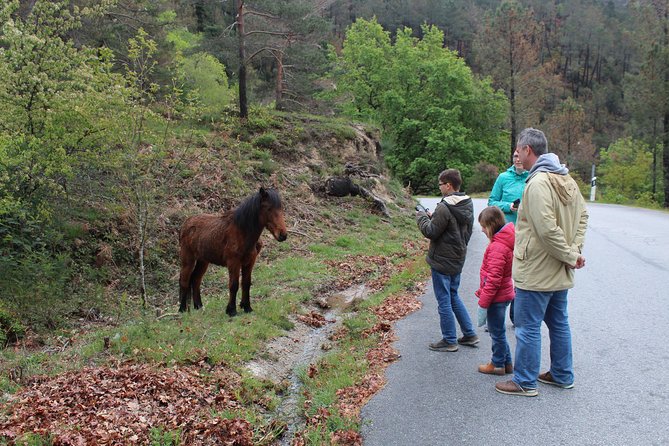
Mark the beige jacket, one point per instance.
(550, 233)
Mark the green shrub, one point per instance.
(612, 196)
(11, 329)
(625, 170)
(206, 77)
(266, 140)
(646, 200)
(260, 119)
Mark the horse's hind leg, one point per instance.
(233, 285)
(196, 281)
(246, 284)
(187, 266)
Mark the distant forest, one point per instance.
(593, 74)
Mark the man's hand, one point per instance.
(580, 263)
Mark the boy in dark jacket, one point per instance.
(449, 229)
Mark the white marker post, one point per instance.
(593, 185)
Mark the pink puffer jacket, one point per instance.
(496, 283)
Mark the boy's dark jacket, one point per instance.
(449, 231)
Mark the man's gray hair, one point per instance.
(535, 139)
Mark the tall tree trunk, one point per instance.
(654, 172)
(279, 80)
(665, 158)
(512, 90)
(665, 139)
(243, 101)
(512, 101)
(199, 15)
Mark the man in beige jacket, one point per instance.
(550, 231)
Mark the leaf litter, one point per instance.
(117, 406)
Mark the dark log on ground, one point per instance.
(344, 186)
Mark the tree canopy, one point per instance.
(439, 114)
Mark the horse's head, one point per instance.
(272, 209)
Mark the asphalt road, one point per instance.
(619, 313)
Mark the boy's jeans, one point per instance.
(450, 305)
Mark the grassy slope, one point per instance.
(296, 154)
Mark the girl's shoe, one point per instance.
(490, 369)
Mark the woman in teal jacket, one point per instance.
(509, 187)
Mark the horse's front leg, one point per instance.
(233, 285)
(246, 284)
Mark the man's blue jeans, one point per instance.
(450, 307)
(501, 353)
(530, 309)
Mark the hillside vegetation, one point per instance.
(104, 316)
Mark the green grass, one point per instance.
(31, 440)
(160, 436)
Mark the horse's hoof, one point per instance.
(182, 309)
(231, 313)
(247, 309)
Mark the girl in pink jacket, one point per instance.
(496, 288)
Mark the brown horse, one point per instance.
(230, 239)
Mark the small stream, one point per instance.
(299, 348)
(288, 409)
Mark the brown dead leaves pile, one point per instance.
(313, 319)
(103, 406)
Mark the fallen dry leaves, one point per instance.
(355, 269)
(313, 319)
(105, 406)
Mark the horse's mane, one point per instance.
(246, 214)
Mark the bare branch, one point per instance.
(282, 34)
(268, 49)
(296, 102)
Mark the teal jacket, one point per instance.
(508, 187)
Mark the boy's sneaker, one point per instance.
(511, 388)
(469, 340)
(443, 346)
(547, 378)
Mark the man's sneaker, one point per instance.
(469, 340)
(490, 369)
(443, 346)
(511, 388)
(547, 378)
